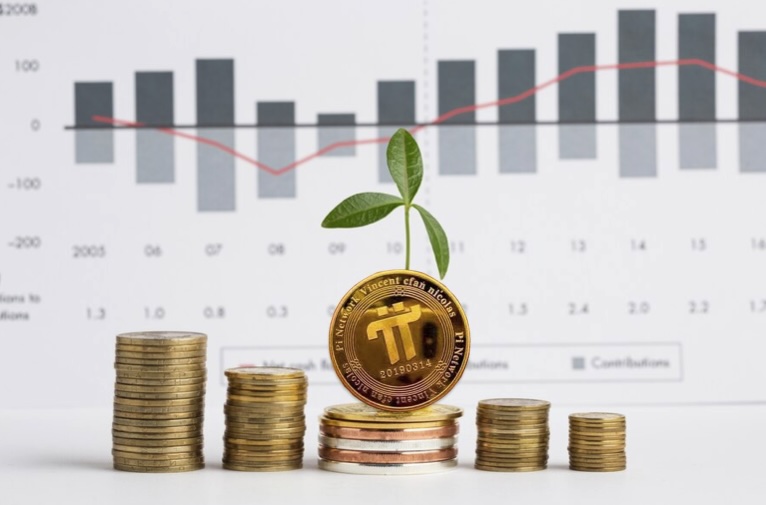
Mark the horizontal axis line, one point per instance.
(250, 126)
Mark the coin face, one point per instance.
(399, 340)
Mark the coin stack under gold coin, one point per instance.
(513, 435)
(597, 442)
(265, 420)
(356, 438)
(159, 399)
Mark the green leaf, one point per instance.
(405, 163)
(438, 239)
(361, 209)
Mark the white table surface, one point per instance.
(692, 454)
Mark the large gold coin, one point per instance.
(399, 340)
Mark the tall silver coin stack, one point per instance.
(159, 400)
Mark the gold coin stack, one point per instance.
(513, 435)
(359, 439)
(159, 399)
(265, 420)
(597, 442)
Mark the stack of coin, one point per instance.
(597, 442)
(159, 399)
(513, 435)
(360, 439)
(265, 421)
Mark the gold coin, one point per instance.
(511, 421)
(262, 455)
(264, 438)
(491, 468)
(163, 349)
(131, 395)
(262, 468)
(288, 450)
(185, 402)
(520, 459)
(389, 435)
(164, 355)
(159, 469)
(156, 416)
(157, 450)
(264, 373)
(365, 413)
(232, 453)
(162, 338)
(285, 401)
(256, 396)
(236, 414)
(177, 362)
(163, 424)
(155, 463)
(399, 340)
(297, 431)
(194, 368)
(169, 457)
(597, 417)
(165, 435)
(384, 426)
(161, 374)
(198, 382)
(157, 388)
(514, 404)
(264, 390)
(145, 442)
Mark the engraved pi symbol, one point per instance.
(400, 318)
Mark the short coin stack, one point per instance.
(513, 435)
(359, 439)
(597, 442)
(265, 420)
(159, 399)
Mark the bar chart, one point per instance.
(518, 83)
(597, 169)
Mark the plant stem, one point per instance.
(407, 236)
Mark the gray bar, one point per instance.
(457, 144)
(215, 92)
(638, 142)
(638, 150)
(697, 145)
(517, 144)
(696, 92)
(276, 148)
(396, 108)
(752, 102)
(340, 128)
(518, 153)
(155, 151)
(216, 179)
(752, 63)
(637, 85)
(215, 172)
(94, 145)
(515, 75)
(696, 85)
(752, 147)
(577, 96)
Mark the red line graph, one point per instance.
(446, 116)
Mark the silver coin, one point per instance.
(387, 469)
(387, 445)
